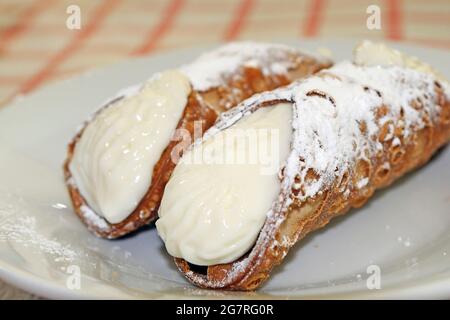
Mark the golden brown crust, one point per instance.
(205, 106)
(302, 217)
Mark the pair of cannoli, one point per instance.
(120, 161)
(300, 155)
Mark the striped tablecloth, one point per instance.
(37, 47)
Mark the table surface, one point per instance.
(37, 47)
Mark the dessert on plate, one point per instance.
(120, 161)
(300, 155)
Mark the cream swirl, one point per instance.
(213, 210)
(113, 161)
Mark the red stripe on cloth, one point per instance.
(238, 21)
(394, 19)
(164, 25)
(100, 13)
(22, 23)
(314, 18)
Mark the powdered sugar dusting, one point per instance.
(362, 183)
(18, 227)
(23, 231)
(327, 135)
(93, 219)
(213, 68)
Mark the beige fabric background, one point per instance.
(36, 47)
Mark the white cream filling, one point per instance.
(371, 54)
(217, 199)
(113, 161)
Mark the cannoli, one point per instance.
(119, 162)
(342, 133)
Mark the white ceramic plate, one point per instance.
(404, 230)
